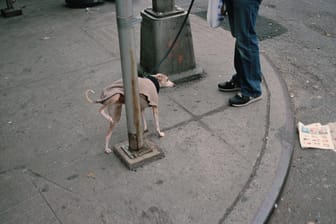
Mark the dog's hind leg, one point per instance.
(156, 119)
(108, 137)
(116, 110)
(103, 112)
(112, 101)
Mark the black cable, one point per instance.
(155, 69)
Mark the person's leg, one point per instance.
(247, 62)
(234, 83)
(237, 65)
(237, 61)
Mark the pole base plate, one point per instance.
(134, 159)
(11, 12)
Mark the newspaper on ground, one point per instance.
(318, 136)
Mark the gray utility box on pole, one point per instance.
(159, 27)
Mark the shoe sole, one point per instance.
(248, 103)
(229, 90)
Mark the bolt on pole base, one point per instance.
(134, 159)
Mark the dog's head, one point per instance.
(163, 80)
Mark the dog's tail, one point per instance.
(87, 92)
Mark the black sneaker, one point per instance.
(228, 86)
(240, 101)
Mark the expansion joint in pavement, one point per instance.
(48, 204)
(34, 174)
(257, 162)
(52, 76)
(198, 118)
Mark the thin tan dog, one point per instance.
(112, 98)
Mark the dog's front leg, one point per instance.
(144, 122)
(116, 111)
(156, 119)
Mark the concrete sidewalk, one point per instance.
(221, 165)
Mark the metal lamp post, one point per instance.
(137, 151)
(125, 21)
(163, 6)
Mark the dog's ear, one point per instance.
(160, 76)
(164, 80)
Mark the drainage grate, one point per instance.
(266, 28)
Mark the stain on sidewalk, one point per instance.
(266, 28)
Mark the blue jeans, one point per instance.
(242, 19)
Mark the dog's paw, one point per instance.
(161, 134)
(108, 150)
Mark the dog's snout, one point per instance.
(171, 84)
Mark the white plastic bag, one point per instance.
(214, 13)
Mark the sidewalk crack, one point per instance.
(47, 202)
